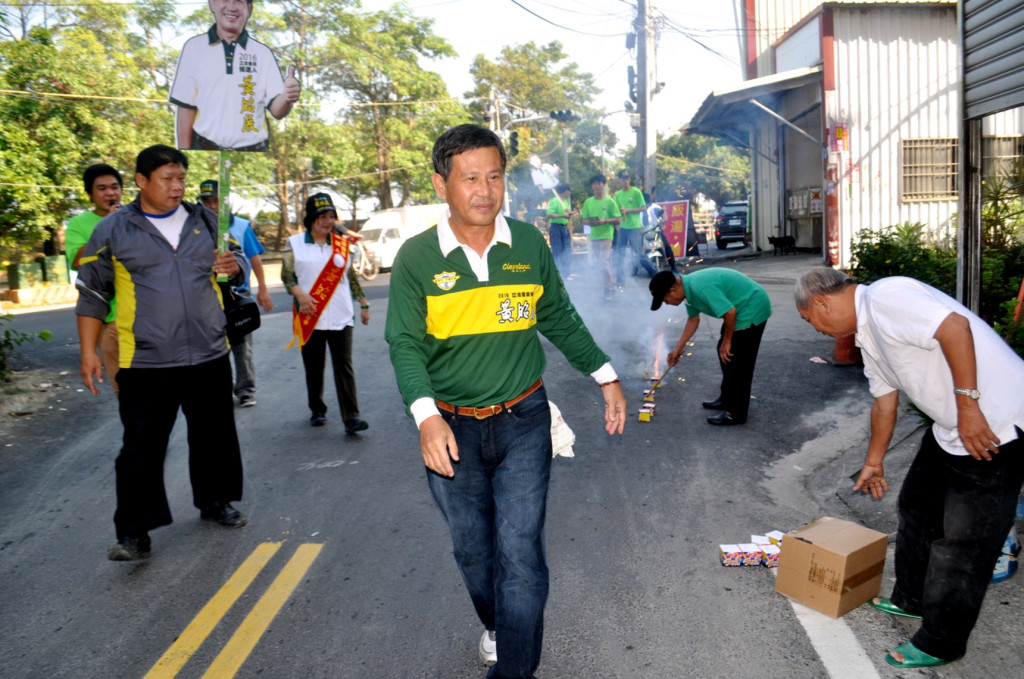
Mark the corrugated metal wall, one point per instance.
(993, 58)
(896, 78)
(775, 17)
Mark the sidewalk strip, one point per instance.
(256, 623)
(185, 645)
(835, 643)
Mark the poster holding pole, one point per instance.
(224, 209)
(677, 216)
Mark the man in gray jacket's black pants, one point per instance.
(160, 257)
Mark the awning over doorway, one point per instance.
(727, 113)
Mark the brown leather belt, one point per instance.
(486, 411)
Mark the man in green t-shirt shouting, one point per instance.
(744, 308)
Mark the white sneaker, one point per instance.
(488, 648)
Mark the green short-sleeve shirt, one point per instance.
(557, 206)
(716, 290)
(80, 227)
(630, 200)
(603, 208)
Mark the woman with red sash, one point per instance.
(316, 272)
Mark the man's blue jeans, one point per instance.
(631, 244)
(561, 247)
(495, 507)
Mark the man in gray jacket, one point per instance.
(158, 256)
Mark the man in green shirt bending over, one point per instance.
(744, 308)
(467, 300)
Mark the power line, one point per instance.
(143, 100)
(58, 95)
(564, 28)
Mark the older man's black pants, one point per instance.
(955, 514)
(149, 403)
(738, 373)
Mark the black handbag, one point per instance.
(241, 313)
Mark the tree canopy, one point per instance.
(88, 83)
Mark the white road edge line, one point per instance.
(835, 643)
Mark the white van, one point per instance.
(385, 231)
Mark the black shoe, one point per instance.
(354, 425)
(130, 548)
(246, 401)
(318, 419)
(713, 405)
(224, 514)
(725, 419)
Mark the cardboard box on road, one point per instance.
(831, 565)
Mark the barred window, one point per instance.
(1002, 156)
(930, 165)
(929, 169)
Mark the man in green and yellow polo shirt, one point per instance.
(467, 300)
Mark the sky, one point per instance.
(593, 34)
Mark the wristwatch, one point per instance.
(973, 393)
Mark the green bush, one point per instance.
(1012, 331)
(903, 250)
(10, 340)
(907, 250)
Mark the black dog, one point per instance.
(783, 244)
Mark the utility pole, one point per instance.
(646, 140)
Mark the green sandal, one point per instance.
(888, 606)
(914, 657)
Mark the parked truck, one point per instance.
(386, 230)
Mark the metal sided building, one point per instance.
(850, 113)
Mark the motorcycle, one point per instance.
(655, 248)
(364, 263)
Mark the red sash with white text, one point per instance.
(323, 289)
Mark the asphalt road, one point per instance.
(345, 569)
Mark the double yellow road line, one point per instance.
(255, 624)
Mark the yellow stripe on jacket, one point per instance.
(478, 311)
(125, 292)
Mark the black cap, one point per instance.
(623, 174)
(208, 189)
(316, 205)
(661, 283)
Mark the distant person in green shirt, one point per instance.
(632, 205)
(103, 185)
(744, 308)
(602, 215)
(559, 212)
